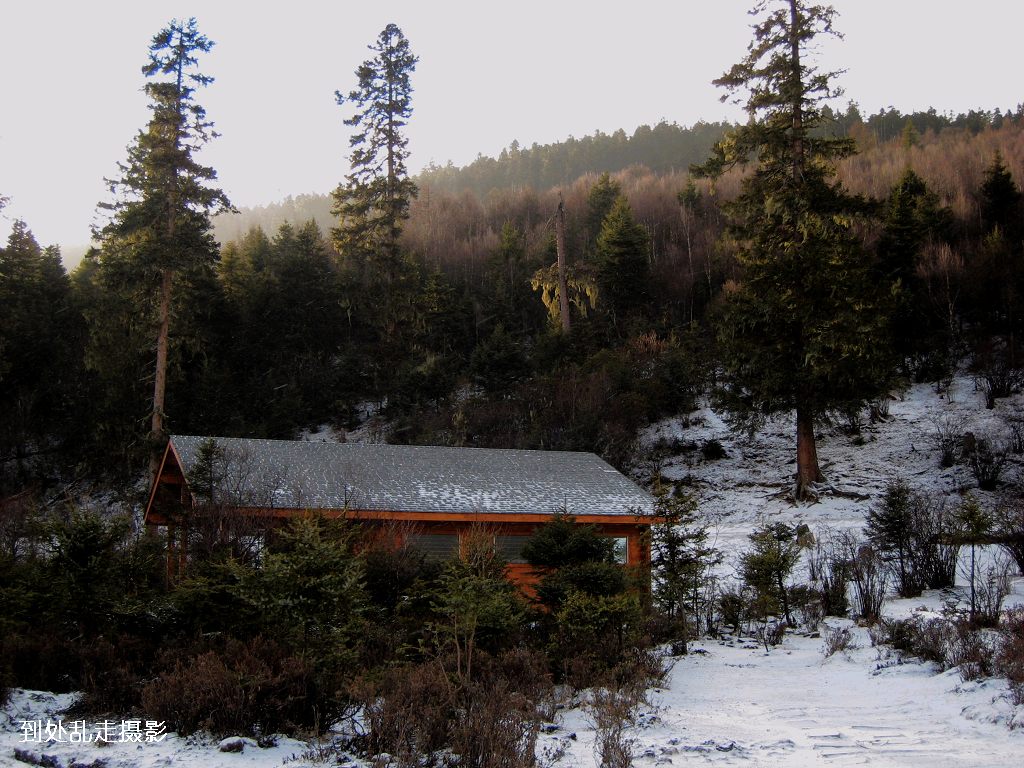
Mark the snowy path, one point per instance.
(738, 706)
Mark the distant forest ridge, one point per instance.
(662, 148)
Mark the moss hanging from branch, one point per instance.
(581, 286)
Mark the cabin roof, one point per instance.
(404, 478)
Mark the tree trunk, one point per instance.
(156, 429)
(563, 286)
(798, 90)
(157, 435)
(689, 256)
(172, 555)
(973, 602)
(807, 470)
(784, 596)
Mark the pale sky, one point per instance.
(489, 72)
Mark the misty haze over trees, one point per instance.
(483, 251)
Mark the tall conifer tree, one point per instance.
(600, 200)
(804, 330)
(159, 230)
(373, 204)
(913, 219)
(998, 268)
(38, 352)
(1000, 199)
(375, 199)
(622, 268)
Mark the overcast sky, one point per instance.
(488, 73)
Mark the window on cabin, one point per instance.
(436, 546)
(510, 548)
(621, 550)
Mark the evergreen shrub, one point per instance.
(713, 450)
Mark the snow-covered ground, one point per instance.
(731, 703)
(735, 704)
(373, 428)
(18, 746)
(754, 481)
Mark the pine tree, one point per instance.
(998, 268)
(117, 309)
(159, 231)
(475, 606)
(690, 213)
(1000, 198)
(309, 593)
(590, 615)
(682, 559)
(39, 352)
(445, 319)
(208, 472)
(974, 527)
(913, 215)
(241, 270)
(375, 199)
(767, 566)
(507, 277)
(910, 137)
(285, 301)
(913, 218)
(622, 267)
(805, 330)
(891, 529)
(372, 205)
(570, 557)
(498, 362)
(600, 200)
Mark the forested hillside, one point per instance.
(662, 149)
(283, 339)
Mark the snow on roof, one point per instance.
(406, 478)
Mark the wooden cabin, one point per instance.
(438, 494)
